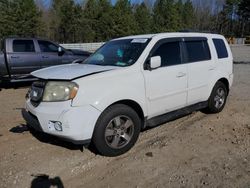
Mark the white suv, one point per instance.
(128, 84)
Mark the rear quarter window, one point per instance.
(220, 48)
(197, 50)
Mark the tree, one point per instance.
(28, 18)
(143, 19)
(229, 17)
(7, 21)
(244, 13)
(188, 15)
(105, 22)
(165, 16)
(88, 20)
(124, 21)
(19, 17)
(100, 20)
(64, 20)
(203, 18)
(179, 9)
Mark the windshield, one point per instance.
(120, 53)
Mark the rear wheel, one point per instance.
(117, 130)
(218, 98)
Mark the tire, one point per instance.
(116, 131)
(217, 99)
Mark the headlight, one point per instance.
(59, 91)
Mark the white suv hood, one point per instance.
(70, 71)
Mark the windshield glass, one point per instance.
(120, 53)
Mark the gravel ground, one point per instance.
(241, 53)
(197, 150)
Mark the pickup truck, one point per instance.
(21, 56)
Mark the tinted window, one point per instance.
(170, 53)
(23, 46)
(1, 45)
(46, 46)
(197, 50)
(220, 48)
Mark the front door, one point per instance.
(166, 86)
(49, 54)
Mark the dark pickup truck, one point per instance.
(20, 56)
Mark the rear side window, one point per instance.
(220, 48)
(23, 46)
(197, 50)
(170, 53)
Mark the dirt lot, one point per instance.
(195, 151)
(241, 53)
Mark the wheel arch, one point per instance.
(226, 82)
(222, 79)
(134, 105)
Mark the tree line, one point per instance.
(68, 21)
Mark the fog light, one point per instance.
(58, 125)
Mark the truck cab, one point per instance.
(21, 56)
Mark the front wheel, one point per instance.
(117, 130)
(218, 98)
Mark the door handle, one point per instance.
(45, 57)
(180, 74)
(15, 57)
(212, 68)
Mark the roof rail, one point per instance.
(196, 31)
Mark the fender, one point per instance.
(122, 84)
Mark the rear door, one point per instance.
(200, 68)
(23, 56)
(166, 86)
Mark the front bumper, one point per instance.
(31, 120)
(77, 123)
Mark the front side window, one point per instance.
(1, 45)
(124, 52)
(170, 53)
(220, 48)
(46, 46)
(23, 46)
(197, 50)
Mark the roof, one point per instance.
(172, 34)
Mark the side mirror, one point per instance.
(77, 61)
(60, 51)
(155, 62)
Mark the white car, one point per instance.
(129, 84)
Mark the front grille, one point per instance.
(36, 93)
